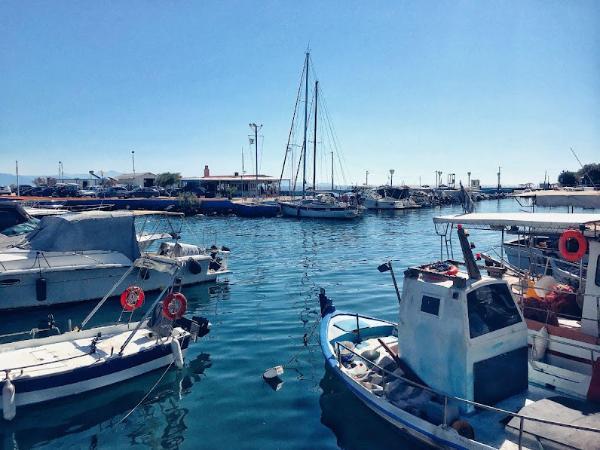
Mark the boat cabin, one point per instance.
(470, 327)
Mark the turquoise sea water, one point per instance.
(264, 314)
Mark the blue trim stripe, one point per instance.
(96, 370)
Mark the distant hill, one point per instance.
(10, 178)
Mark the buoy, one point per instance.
(132, 298)
(174, 306)
(273, 372)
(177, 353)
(9, 404)
(572, 245)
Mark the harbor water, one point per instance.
(264, 314)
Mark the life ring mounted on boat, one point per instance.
(174, 306)
(132, 298)
(572, 245)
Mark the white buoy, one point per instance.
(177, 353)
(273, 372)
(9, 405)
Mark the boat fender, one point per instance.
(41, 289)
(194, 266)
(464, 429)
(572, 245)
(177, 353)
(174, 306)
(540, 344)
(9, 405)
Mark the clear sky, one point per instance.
(410, 85)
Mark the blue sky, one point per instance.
(415, 86)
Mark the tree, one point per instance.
(39, 181)
(567, 178)
(590, 174)
(167, 179)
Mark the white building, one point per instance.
(143, 179)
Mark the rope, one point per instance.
(148, 393)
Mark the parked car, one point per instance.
(114, 191)
(24, 189)
(66, 190)
(42, 191)
(5, 190)
(143, 192)
(88, 193)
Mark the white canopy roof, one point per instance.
(553, 221)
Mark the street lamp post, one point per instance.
(255, 128)
(392, 177)
(133, 163)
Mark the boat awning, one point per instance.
(557, 222)
(577, 199)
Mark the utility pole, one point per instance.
(18, 186)
(256, 128)
(468, 180)
(392, 177)
(499, 185)
(133, 163)
(366, 177)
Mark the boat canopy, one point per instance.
(11, 214)
(577, 199)
(557, 222)
(91, 230)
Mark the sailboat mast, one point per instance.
(332, 171)
(315, 138)
(305, 127)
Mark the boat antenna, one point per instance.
(585, 173)
(387, 267)
(305, 125)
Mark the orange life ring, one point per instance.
(572, 245)
(132, 298)
(453, 270)
(174, 306)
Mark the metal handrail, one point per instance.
(522, 417)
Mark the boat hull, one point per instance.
(436, 435)
(291, 210)
(69, 285)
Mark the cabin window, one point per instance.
(598, 271)
(430, 305)
(491, 308)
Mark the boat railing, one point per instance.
(522, 417)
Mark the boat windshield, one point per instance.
(21, 228)
(491, 308)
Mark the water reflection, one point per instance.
(355, 426)
(91, 415)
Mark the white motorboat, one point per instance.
(77, 256)
(322, 207)
(38, 370)
(378, 199)
(453, 371)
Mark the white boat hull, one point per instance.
(75, 284)
(319, 213)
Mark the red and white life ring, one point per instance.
(572, 245)
(132, 298)
(174, 306)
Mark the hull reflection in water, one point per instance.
(355, 426)
(94, 418)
